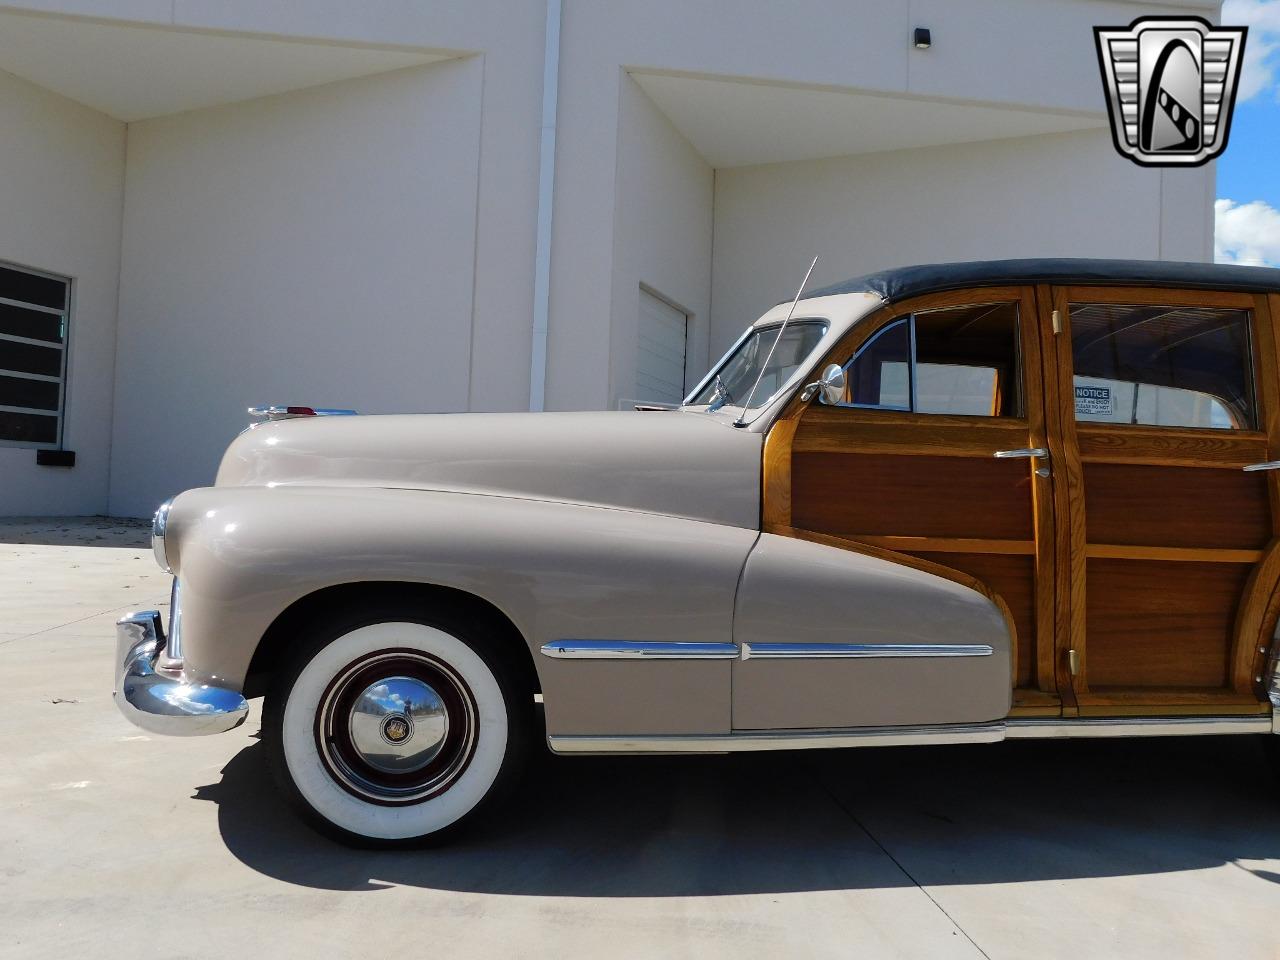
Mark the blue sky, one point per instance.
(1248, 206)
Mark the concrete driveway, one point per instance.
(117, 844)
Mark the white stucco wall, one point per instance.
(371, 242)
(662, 234)
(1057, 195)
(315, 247)
(63, 175)
(985, 50)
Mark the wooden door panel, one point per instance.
(1154, 624)
(1160, 505)
(843, 430)
(858, 494)
(1169, 446)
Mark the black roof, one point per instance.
(903, 282)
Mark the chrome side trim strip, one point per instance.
(782, 739)
(840, 651)
(1030, 728)
(638, 650)
(1054, 728)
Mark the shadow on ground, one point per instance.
(776, 823)
(75, 531)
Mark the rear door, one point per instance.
(1169, 409)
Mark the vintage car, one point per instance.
(941, 504)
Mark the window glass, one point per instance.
(33, 334)
(1162, 366)
(738, 374)
(954, 388)
(964, 360)
(878, 375)
(967, 361)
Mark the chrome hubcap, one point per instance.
(398, 724)
(396, 727)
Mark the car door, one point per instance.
(936, 461)
(1168, 435)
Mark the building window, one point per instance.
(959, 360)
(33, 356)
(1162, 366)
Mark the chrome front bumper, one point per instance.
(163, 704)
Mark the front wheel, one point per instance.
(396, 731)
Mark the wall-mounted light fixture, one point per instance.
(923, 40)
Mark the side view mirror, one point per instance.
(830, 389)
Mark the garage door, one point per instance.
(660, 360)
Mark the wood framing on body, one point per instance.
(1149, 543)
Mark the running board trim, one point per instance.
(1030, 728)
(1039, 728)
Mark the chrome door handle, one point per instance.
(1256, 467)
(1040, 452)
(1030, 452)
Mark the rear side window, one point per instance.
(1162, 366)
(959, 360)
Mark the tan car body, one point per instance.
(654, 537)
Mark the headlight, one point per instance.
(158, 524)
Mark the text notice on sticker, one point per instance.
(1094, 402)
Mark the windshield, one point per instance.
(736, 376)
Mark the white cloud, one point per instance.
(1262, 48)
(1246, 233)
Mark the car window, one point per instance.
(737, 374)
(957, 360)
(1162, 366)
(878, 374)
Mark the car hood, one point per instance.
(679, 463)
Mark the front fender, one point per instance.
(557, 571)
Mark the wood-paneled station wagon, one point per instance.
(940, 504)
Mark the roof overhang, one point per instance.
(736, 122)
(138, 71)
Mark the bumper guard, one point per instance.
(162, 704)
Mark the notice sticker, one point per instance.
(1094, 402)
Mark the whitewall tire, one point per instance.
(395, 731)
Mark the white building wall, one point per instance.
(422, 197)
(507, 38)
(1057, 195)
(662, 235)
(985, 50)
(62, 167)
(315, 247)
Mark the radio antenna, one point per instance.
(742, 417)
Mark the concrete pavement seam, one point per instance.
(848, 812)
(58, 626)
